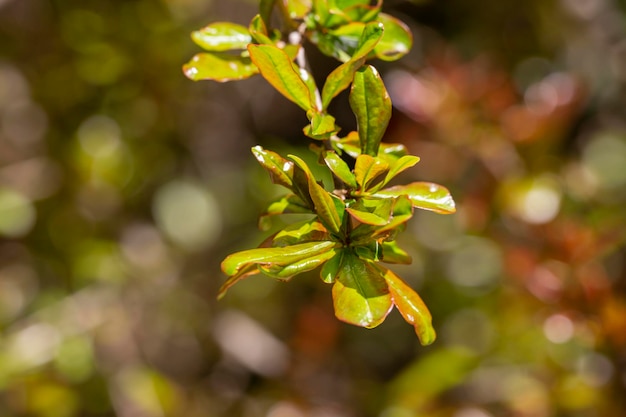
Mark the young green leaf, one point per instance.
(278, 69)
(340, 169)
(411, 306)
(397, 40)
(393, 254)
(305, 231)
(297, 9)
(234, 263)
(360, 293)
(258, 30)
(222, 36)
(372, 211)
(279, 168)
(396, 167)
(423, 195)
(342, 76)
(285, 272)
(288, 204)
(328, 207)
(218, 66)
(372, 107)
(322, 126)
(367, 169)
(331, 268)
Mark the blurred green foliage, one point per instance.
(122, 186)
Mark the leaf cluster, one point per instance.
(354, 226)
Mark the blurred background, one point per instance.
(123, 185)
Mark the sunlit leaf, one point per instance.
(285, 272)
(397, 39)
(258, 30)
(374, 212)
(298, 9)
(278, 69)
(371, 251)
(322, 126)
(222, 36)
(331, 268)
(234, 263)
(372, 107)
(342, 76)
(360, 293)
(411, 306)
(402, 212)
(397, 167)
(305, 231)
(367, 169)
(393, 254)
(328, 207)
(279, 168)
(219, 67)
(340, 169)
(423, 195)
(289, 204)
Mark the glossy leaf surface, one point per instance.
(412, 308)
(340, 169)
(372, 107)
(234, 263)
(397, 39)
(424, 195)
(278, 69)
(287, 271)
(279, 168)
(360, 293)
(331, 268)
(367, 169)
(328, 207)
(341, 77)
(393, 254)
(220, 67)
(222, 36)
(305, 231)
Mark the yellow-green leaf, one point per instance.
(423, 195)
(331, 268)
(411, 306)
(396, 167)
(360, 293)
(367, 169)
(328, 207)
(285, 272)
(222, 36)
(258, 30)
(278, 69)
(218, 66)
(394, 254)
(340, 169)
(234, 263)
(342, 76)
(372, 107)
(397, 39)
(279, 168)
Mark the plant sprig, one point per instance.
(353, 228)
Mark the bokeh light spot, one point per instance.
(17, 214)
(558, 328)
(188, 214)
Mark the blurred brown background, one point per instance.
(123, 185)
